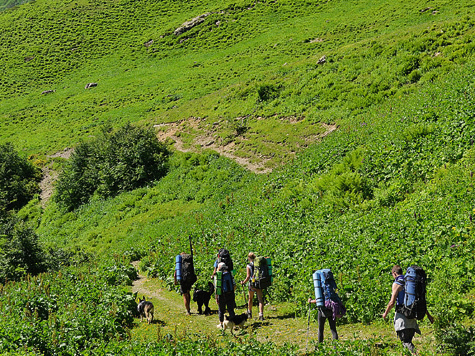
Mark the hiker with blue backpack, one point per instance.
(224, 285)
(185, 276)
(328, 302)
(409, 296)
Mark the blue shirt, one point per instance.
(400, 297)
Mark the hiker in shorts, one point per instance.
(185, 289)
(227, 300)
(250, 273)
(405, 328)
(324, 313)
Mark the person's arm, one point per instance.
(248, 269)
(312, 301)
(395, 291)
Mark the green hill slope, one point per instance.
(245, 59)
(391, 184)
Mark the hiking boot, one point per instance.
(261, 317)
(249, 315)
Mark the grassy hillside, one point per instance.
(365, 112)
(246, 59)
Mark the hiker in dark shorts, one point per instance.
(325, 313)
(405, 328)
(250, 273)
(185, 288)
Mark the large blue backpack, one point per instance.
(325, 287)
(415, 305)
(224, 282)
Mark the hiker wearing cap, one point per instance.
(405, 327)
(252, 289)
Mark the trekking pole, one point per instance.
(308, 327)
(244, 294)
(191, 247)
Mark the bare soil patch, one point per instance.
(205, 137)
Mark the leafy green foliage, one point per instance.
(20, 251)
(457, 340)
(63, 313)
(18, 179)
(115, 162)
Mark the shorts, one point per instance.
(185, 288)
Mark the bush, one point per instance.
(115, 162)
(18, 179)
(457, 340)
(20, 252)
(267, 92)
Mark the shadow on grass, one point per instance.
(282, 317)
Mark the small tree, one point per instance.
(18, 179)
(20, 252)
(115, 162)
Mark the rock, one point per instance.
(190, 24)
(90, 85)
(148, 44)
(48, 91)
(322, 60)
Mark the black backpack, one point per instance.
(226, 258)
(188, 275)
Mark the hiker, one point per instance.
(252, 289)
(185, 276)
(325, 313)
(405, 327)
(225, 292)
(215, 266)
(328, 302)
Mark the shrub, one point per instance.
(267, 92)
(20, 252)
(18, 179)
(115, 162)
(457, 340)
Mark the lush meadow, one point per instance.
(393, 184)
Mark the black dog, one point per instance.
(202, 297)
